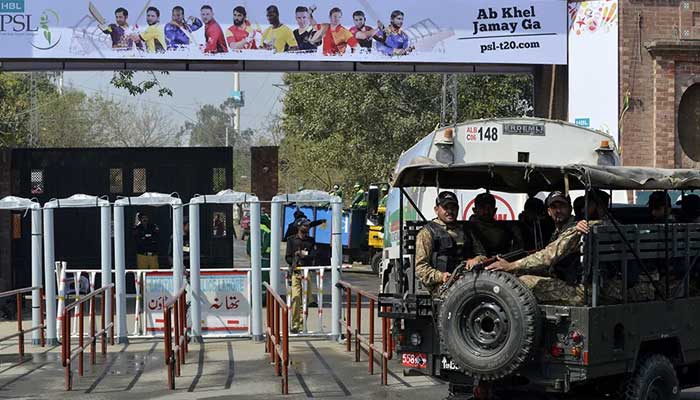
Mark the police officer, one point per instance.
(301, 252)
(359, 200)
(385, 196)
(337, 191)
(147, 235)
(441, 245)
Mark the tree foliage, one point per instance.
(125, 80)
(347, 128)
(70, 118)
(209, 129)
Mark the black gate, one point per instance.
(47, 174)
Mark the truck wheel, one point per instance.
(489, 323)
(654, 379)
(376, 262)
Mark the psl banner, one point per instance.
(445, 31)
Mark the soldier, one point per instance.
(660, 207)
(442, 245)
(496, 238)
(537, 273)
(690, 208)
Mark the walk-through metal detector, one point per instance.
(75, 201)
(11, 203)
(226, 197)
(152, 200)
(318, 198)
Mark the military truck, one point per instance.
(525, 140)
(487, 331)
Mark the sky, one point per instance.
(192, 90)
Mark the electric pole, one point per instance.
(448, 116)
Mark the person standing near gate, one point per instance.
(146, 235)
(301, 252)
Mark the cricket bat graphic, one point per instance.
(371, 13)
(96, 14)
(143, 12)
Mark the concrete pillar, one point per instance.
(256, 270)
(195, 275)
(120, 274)
(37, 252)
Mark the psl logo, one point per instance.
(48, 19)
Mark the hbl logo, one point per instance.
(11, 6)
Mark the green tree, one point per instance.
(343, 128)
(15, 105)
(209, 129)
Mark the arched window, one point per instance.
(689, 122)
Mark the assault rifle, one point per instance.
(510, 257)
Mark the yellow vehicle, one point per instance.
(376, 210)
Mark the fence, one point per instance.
(65, 292)
(20, 329)
(67, 355)
(387, 345)
(175, 306)
(277, 341)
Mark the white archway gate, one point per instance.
(310, 197)
(12, 203)
(226, 197)
(149, 200)
(75, 201)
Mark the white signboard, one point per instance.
(225, 301)
(593, 65)
(445, 31)
(157, 290)
(225, 304)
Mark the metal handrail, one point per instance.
(277, 343)
(177, 306)
(387, 346)
(67, 355)
(20, 330)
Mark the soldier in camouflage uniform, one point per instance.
(550, 284)
(441, 245)
(496, 237)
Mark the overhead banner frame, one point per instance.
(517, 32)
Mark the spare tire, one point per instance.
(489, 324)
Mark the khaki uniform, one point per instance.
(430, 276)
(534, 274)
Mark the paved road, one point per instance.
(218, 369)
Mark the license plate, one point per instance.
(448, 364)
(414, 360)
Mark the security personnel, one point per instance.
(337, 191)
(385, 196)
(441, 245)
(359, 201)
(549, 285)
(496, 237)
(147, 235)
(301, 252)
(265, 240)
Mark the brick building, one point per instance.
(660, 83)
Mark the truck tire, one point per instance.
(654, 379)
(489, 323)
(376, 262)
